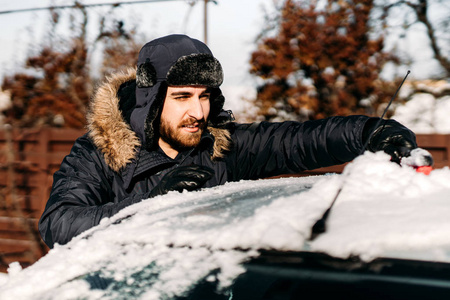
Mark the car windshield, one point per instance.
(162, 247)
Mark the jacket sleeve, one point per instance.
(81, 196)
(269, 149)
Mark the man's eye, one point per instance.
(181, 97)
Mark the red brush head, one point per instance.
(424, 169)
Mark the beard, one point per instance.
(179, 139)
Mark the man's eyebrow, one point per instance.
(186, 93)
(182, 93)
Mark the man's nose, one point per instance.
(196, 109)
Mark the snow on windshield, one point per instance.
(182, 236)
(163, 246)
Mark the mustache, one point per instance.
(192, 121)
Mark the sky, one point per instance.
(425, 113)
(383, 210)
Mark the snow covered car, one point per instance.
(387, 237)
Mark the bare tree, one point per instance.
(58, 90)
(434, 15)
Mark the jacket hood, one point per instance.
(109, 125)
(175, 60)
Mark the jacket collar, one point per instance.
(148, 160)
(145, 161)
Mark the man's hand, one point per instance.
(390, 137)
(189, 178)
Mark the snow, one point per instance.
(3, 278)
(424, 112)
(5, 103)
(387, 210)
(383, 210)
(5, 100)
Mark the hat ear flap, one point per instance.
(145, 75)
(217, 101)
(151, 127)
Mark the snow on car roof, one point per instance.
(384, 210)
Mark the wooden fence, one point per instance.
(28, 159)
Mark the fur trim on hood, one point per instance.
(113, 136)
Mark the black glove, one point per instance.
(189, 178)
(391, 137)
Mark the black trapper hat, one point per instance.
(174, 60)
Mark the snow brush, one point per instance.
(420, 159)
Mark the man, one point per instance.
(161, 128)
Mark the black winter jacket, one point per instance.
(107, 169)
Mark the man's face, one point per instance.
(183, 117)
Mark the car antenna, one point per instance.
(320, 226)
